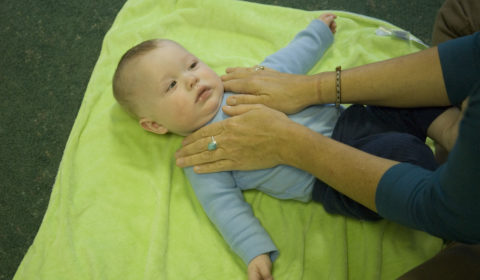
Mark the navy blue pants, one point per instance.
(392, 133)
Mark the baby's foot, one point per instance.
(329, 20)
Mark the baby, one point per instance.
(169, 90)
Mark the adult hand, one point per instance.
(254, 138)
(287, 93)
(260, 268)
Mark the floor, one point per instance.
(49, 49)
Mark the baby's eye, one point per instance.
(194, 64)
(172, 85)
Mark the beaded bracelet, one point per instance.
(339, 92)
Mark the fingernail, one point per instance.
(233, 101)
(179, 161)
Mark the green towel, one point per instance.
(121, 209)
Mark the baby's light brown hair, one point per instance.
(122, 91)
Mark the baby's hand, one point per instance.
(329, 20)
(260, 268)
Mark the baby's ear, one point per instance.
(152, 126)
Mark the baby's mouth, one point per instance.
(203, 93)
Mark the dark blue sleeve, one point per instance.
(444, 202)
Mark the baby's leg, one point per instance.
(397, 146)
(359, 121)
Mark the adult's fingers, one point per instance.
(240, 74)
(216, 166)
(239, 70)
(206, 131)
(245, 99)
(240, 85)
(204, 158)
(195, 147)
(241, 109)
(245, 80)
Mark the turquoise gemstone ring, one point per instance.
(212, 145)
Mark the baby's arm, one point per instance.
(308, 46)
(226, 207)
(329, 20)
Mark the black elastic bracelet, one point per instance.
(339, 88)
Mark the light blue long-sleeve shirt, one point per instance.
(221, 193)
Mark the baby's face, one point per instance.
(178, 93)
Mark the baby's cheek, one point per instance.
(185, 116)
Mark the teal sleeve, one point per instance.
(444, 202)
(460, 61)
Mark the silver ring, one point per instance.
(259, 67)
(212, 145)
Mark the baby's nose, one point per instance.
(192, 80)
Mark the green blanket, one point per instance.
(121, 209)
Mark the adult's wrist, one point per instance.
(295, 139)
(304, 91)
(324, 88)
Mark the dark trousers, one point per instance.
(397, 134)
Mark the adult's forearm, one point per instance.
(414, 80)
(346, 169)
